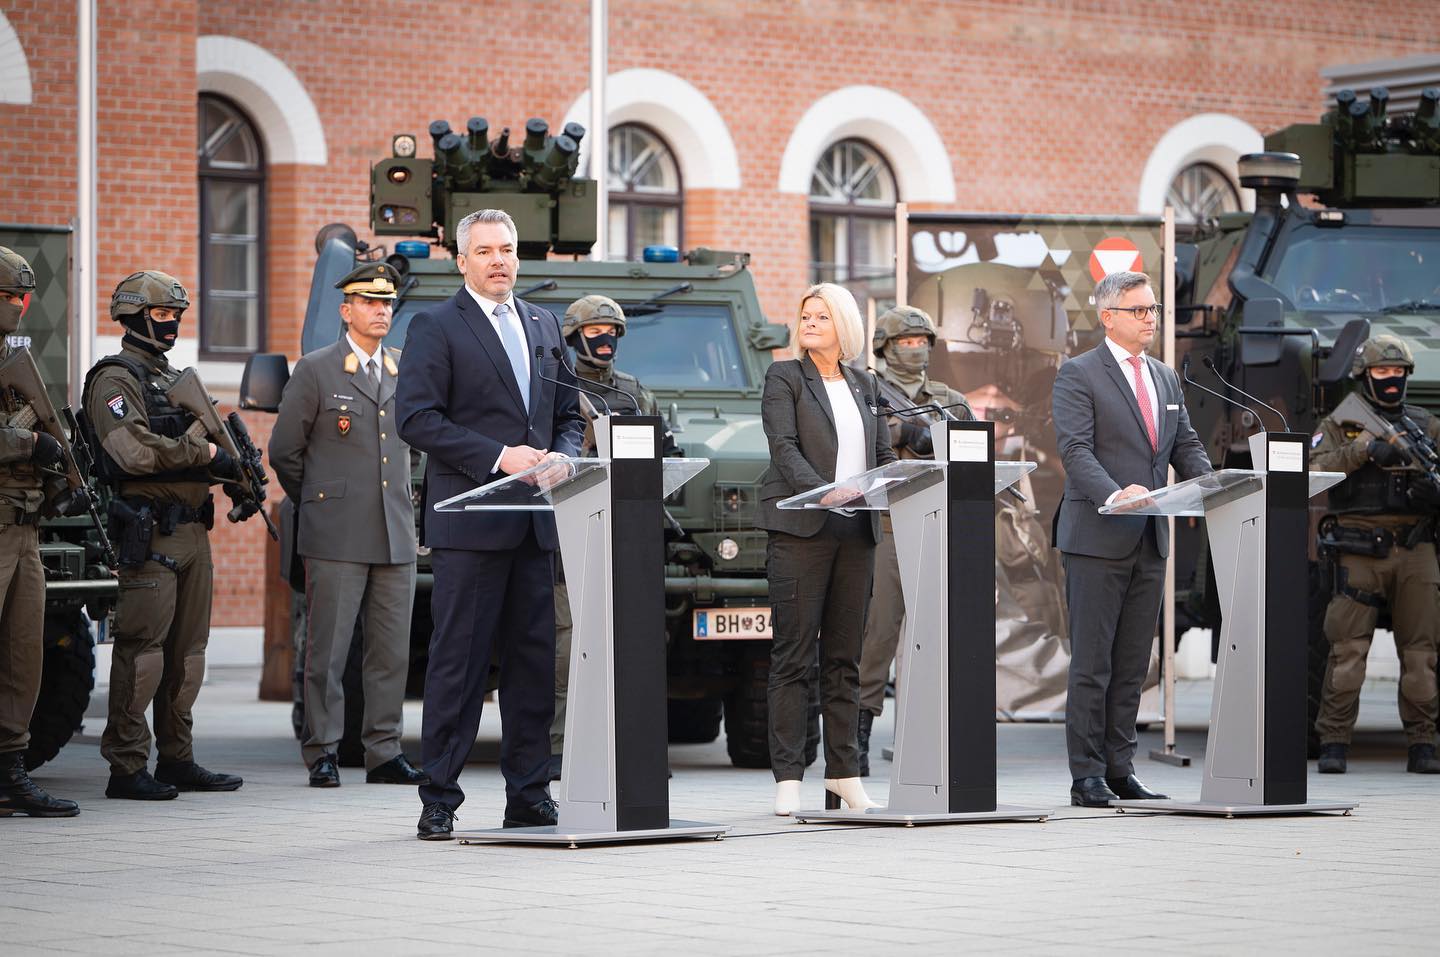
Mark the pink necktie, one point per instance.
(1141, 393)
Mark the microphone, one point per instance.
(1209, 363)
(540, 356)
(1185, 374)
(559, 354)
(917, 409)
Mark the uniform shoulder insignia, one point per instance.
(116, 405)
(390, 365)
(352, 364)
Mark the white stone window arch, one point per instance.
(14, 68)
(1215, 139)
(898, 128)
(270, 93)
(683, 117)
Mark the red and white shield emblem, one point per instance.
(343, 424)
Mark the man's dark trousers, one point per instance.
(490, 604)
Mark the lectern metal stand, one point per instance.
(943, 514)
(1258, 523)
(614, 784)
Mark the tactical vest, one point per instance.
(1371, 490)
(619, 404)
(166, 420)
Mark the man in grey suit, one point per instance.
(340, 459)
(1120, 420)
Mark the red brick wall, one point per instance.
(1043, 106)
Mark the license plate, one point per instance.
(720, 624)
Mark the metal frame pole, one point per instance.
(599, 133)
(82, 340)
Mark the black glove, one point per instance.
(47, 451)
(224, 464)
(1386, 455)
(916, 438)
(1424, 493)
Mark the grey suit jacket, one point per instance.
(338, 454)
(800, 425)
(1104, 447)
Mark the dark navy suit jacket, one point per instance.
(458, 401)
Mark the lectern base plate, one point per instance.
(556, 834)
(880, 815)
(1217, 809)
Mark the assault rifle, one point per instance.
(18, 372)
(230, 434)
(1405, 434)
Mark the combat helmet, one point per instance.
(593, 310)
(140, 292)
(16, 276)
(901, 321)
(1382, 350)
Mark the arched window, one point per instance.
(232, 225)
(852, 222)
(646, 197)
(1199, 192)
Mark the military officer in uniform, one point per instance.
(1381, 528)
(593, 327)
(902, 342)
(24, 490)
(160, 466)
(340, 460)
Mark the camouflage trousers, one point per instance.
(22, 630)
(883, 624)
(562, 666)
(162, 625)
(1408, 581)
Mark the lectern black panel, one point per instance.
(971, 537)
(637, 540)
(1287, 611)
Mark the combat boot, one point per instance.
(867, 721)
(1422, 760)
(20, 795)
(1332, 758)
(139, 786)
(189, 776)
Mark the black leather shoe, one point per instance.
(189, 776)
(557, 766)
(1422, 760)
(398, 770)
(437, 822)
(536, 815)
(1091, 792)
(325, 772)
(20, 795)
(867, 721)
(1129, 788)
(1332, 758)
(139, 786)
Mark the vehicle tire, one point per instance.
(1317, 657)
(66, 680)
(693, 720)
(747, 712)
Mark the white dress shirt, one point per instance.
(512, 316)
(849, 430)
(366, 361)
(1123, 357)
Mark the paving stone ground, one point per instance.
(278, 867)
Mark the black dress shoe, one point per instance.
(1129, 788)
(325, 772)
(1091, 792)
(189, 776)
(139, 786)
(437, 822)
(536, 815)
(398, 770)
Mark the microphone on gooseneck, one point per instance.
(917, 409)
(540, 356)
(1185, 374)
(1210, 364)
(559, 354)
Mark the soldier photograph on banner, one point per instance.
(1011, 298)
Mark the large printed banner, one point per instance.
(1012, 297)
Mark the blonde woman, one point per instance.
(822, 422)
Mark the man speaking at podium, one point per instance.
(1120, 421)
(475, 397)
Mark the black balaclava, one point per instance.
(1389, 393)
(585, 348)
(151, 335)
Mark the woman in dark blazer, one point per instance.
(821, 418)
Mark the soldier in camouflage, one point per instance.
(160, 466)
(1381, 531)
(902, 342)
(25, 490)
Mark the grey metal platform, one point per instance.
(554, 834)
(1217, 809)
(880, 815)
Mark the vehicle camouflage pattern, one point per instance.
(1281, 298)
(695, 337)
(79, 588)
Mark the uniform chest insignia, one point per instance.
(343, 424)
(347, 398)
(352, 364)
(116, 404)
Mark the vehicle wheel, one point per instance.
(693, 720)
(747, 712)
(1318, 655)
(66, 680)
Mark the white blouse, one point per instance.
(849, 430)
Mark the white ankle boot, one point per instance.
(849, 790)
(787, 797)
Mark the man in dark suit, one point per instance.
(474, 397)
(1120, 420)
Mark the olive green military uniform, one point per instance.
(1407, 579)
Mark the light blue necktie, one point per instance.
(515, 349)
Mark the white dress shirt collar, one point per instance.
(488, 305)
(1121, 354)
(365, 360)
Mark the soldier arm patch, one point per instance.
(116, 405)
